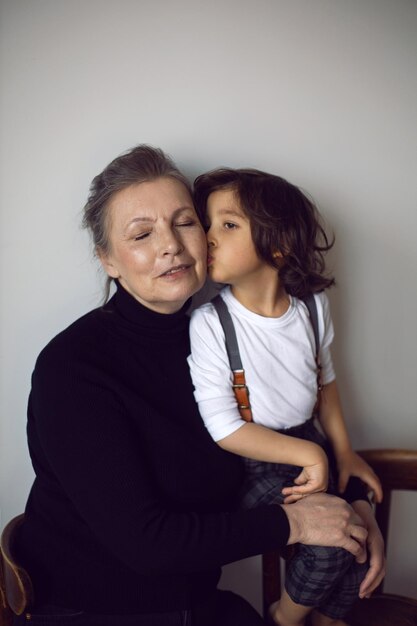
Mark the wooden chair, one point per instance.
(397, 470)
(16, 592)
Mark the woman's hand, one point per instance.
(324, 520)
(351, 464)
(312, 479)
(375, 548)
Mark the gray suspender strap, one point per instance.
(232, 347)
(311, 305)
(240, 388)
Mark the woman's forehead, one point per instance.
(149, 201)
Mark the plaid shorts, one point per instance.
(325, 578)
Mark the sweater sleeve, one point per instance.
(94, 453)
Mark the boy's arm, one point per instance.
(211, 374)
(349, 463)
(263, 444)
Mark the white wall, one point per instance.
(323, 92)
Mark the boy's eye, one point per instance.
(229, 225)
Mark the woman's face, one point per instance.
(157, 247)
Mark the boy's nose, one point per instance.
(210, 238)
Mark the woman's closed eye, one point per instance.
(144, 234)
(186, 223)
(140, 236)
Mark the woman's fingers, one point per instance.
(359, 535)
(321, 519)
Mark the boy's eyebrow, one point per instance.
(234, 212)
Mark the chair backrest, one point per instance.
(16, 588)
(397, 470)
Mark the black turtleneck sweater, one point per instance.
(132, 508)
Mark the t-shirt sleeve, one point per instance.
(326, 334)
(211, 374)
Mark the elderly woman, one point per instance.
(132, 511)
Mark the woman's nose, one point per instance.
(171, 243)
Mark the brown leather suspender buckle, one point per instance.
(241, 391)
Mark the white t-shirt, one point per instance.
(278, 356)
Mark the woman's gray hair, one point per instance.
(141, 164)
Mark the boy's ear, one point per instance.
(107, 264)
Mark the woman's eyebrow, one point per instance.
(186, 207)
(138, 220)
(141, 219)
(146, 219)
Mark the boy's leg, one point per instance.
(314, 571)
(285, 612)
(343, 596)
(313, 574)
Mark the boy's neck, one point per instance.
(268, 299)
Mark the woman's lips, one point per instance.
(177, 270)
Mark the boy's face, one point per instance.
(232, 257)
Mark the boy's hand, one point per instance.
(351, 464)
(312, 479)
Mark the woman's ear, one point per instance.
(277, 254)
(107, 263)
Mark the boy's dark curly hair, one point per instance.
(282, 219)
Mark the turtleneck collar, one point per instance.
(136, 313)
